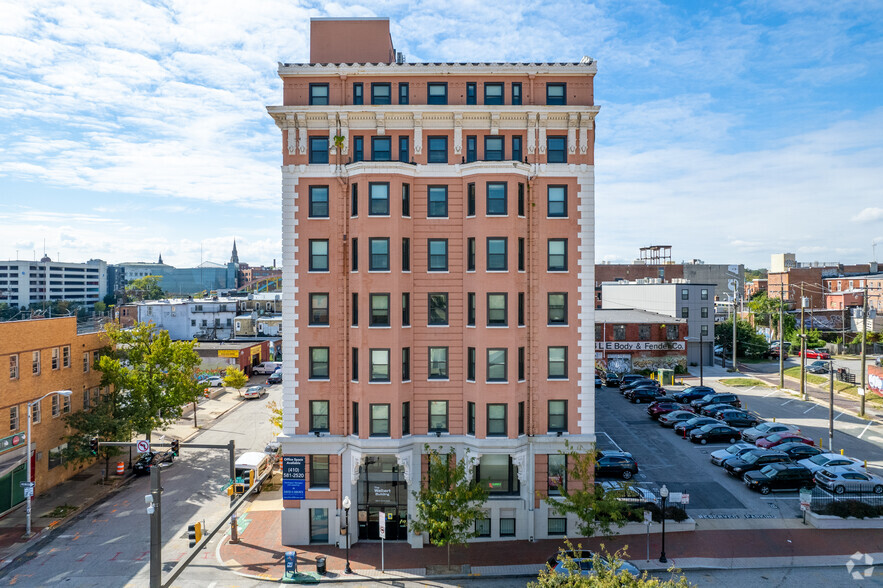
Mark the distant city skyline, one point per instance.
(730, 132)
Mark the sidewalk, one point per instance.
(59, 506)
(714, 545)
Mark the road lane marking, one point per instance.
(865, 430)
(788, 401)
(810, 408)
(770, 394)
(838, 416)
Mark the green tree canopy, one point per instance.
(748, 342)
(146, 288)
(235, 378)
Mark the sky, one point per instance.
(728, 130)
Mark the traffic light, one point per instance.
(93, 445)
(175, 447)
(194, 533)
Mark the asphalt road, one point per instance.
(109, 544)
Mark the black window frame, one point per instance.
(315, 418)
(521, 364)
(471, 93)
(354, 308)
(404, 148)
(315, 258)
(445, 416)
(378, 206)
(470, 254)
(355, 417)
(549, 363)
(517, 148)
(406, 309)
(380, 100)
(315, 209)
(553, 488)
(406, 418)
(554, 418)
(495, 100)
(436, 99)
(433, 266)
(514, 485)
(516, 94)
(556, 208)
(372, 265)
(377, 320)
(470, 309)
(315, 365)
(521, 305)
(494, 322)
(488, 365)
(471, 148)
(560, 526)
(404, 93)
(505, 255)
(470, 364)
(556, 100)
(318, 100)
(521, 257)
(382, 154)
(372, 431)
(437, 208)
(470, 199)
(494, 205)
(315, 317)
(494, 154)
(440, 374)
(406, 200)
(550, 320)
(354, 364)
(318, 150)
(496, 420)
(406, 365)
(358, 93)
(437, 309)
(521, 199)
(434, 151)
(470, 418)
(317, 480)
(372, 376)
(549, 266)
(354, 255)
(354, 200)
(358, 148)
(556, 155)
(406, 254)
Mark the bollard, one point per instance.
(841, 452)
(774, 419)
(866, 464)
(820, 444)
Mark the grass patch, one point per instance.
(840, 387)
(59, 512)
(743, 382)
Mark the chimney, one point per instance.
(351, 40)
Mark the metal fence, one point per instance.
(847, 504)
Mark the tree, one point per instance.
(100, 307)
(748, 342)
(107, 419)
(146, 288)
(275, 415)
(156, 374)
(448, 501)
(235, 378)
(597, 509)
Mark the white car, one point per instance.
(765, 429)
(848, 479)
(253, 392)
(214, 381)
(828, 460)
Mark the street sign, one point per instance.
(294, 477)
(142, 446)
(805, 499)
(381, 521)
(674, 497)
(685, 499)
(26, 484)
(29, 492)
(648, 517)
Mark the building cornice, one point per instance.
(589, 68)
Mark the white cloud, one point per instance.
(867, 215)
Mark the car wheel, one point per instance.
(732, 440)
(637, 401)
(703, 441)
(878, 489)
(839, 489)
(764, 490)
(627, 475)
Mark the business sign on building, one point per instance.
(234, 353)
(294, 477)
(640, 345)
(11, 442)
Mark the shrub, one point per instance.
(672, 513)
(852, 508)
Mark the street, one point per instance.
(109, 544)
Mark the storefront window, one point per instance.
(497, 473)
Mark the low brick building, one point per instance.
(629, 339)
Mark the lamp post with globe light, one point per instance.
(30, 491)
(346, 510)
(663, 492)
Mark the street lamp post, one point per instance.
(701, 359)
(28, 474)
(346, 510)
(663, 492)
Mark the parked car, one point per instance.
(713, 409)
(736, 450)
(645, 394)
(253, 392)
(676, 416)
(722, 398)
(151, 459)
(718, 350)
(754, 460)
(771, 441)
(642, 383)
(213, 381)
(798, 451)
(827, 461)
(585, 563)
(818, 367)
(598, 382)
(763, 429)
(841, 479)
(611, 380)
(818, 353)
(714, 433)
(615, 464)
(692, 393)
(628, 492)
(685, 427)
(266, 368)
(779, 476)
(663, 406)
(773, 353)
(276, 378)
(629, 378)
(738, 418)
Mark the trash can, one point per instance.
(320, 565)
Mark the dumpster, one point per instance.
(665, 377)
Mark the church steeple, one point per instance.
(160, 259)
(235, 257)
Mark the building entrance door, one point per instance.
(382, 488)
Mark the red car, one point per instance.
(783, 437)
(816, 354)
(662, 407)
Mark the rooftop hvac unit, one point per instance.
(400, 57)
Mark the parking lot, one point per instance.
(665, 458)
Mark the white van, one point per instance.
(249, 468)
(266, 368)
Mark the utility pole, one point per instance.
(735, 316)
(802, 346)
(781, 333)
(234, 522)
(864, 338)
(156, 528)
(831, 406)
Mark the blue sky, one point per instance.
(729, 130)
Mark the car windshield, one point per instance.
(751, 457)
(706, 428)
(695, 421)
(734, 449)
(768, 471)
(774, 438)
(708, 397)
(820, 459)
(762, 427)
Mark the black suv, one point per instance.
(629, 378)
(754, 460)
(148, 460)
(645, 394)
(779, 476)
(616, 464)
(611, 380)
(692, 393)
(723, 398)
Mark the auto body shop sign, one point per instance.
(639, 345)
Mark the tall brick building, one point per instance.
(438, 278)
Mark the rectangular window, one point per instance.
(13, 367)
(703, 294)
(356, 419)
(470, 254)
(497, 365)
(521, 254)
(379, 426)
(496, 254)
(516, 93)
(438, 416)
(438, 363)
(404, 93)
(13, 419)
(318, 202)
(318, 255)
(520, 199)
(557, 308)
(496, 420)
(354, 255)
(496, 199)
(378, 256)
(471, 148)
(56, 456)
(470, 309)
(557, 416)
(470, 418)
(507, 527)
(644, 332)
(557, 363)
(498, 474)
(358, 93)
(319, 471)
(470, 200)
(85, 362)
(319, 309)
(87, 398)
(619, 332)
(557, 473)
(379, 316)
(557, 255)
(685, 294)
(318, 525)
(318, 150)
(556, 94)
(437, 93)
(557, 526)
(406, 418)
(36, 412)
(355, 310)
(493, 148)
(493, 94)
(438, 308)
(56, 406)
(354, 365)
(381, 93)
(438, 255)
(704, 330)
(406, 200)
(516, 148)
(381, 148)
(471, 93)
(319, 416)
(354, 200)
(470, 364)
(497, 314)
(521, 364)
(671, 332)
(437, 205)
(35, 362)
(378, 199)
(685, 312)
(56, 358)
(556, 201)
(438, 149)
(319, 363)
(404, 149)
(318, 94)
(703, 312)
(358, 148)
(406, 364)
(406, 254)
(556, 149)
(406, 309)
